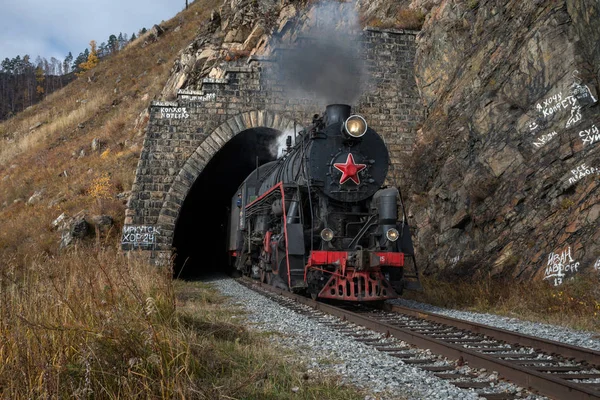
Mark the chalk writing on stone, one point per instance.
(545, 138)
(559, 265)
(533, 126)
(590, 135)
(174, 113)
(190, 92)
(581, 172)
(575, 116)
(567, 102)
(164, 104)
(140, 234)
(550, 101)
(193, 97)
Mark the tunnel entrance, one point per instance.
(200, 237)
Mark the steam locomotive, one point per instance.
(318, 221)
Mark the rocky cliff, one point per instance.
(505, 173)
(507, 167)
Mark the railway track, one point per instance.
(553, 369)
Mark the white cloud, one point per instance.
(52, 29)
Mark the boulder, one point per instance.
(102, 223)
(97, 144)
(72, 229)
(60, 221)
(156, 31)
(35, 198)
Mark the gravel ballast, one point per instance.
(585, 339)
(322, 348)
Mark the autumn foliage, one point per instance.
(92, 59)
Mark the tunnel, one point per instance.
(200, 237)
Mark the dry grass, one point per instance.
(92, 323)
(404, 19)
(56, 157)
(574, 304)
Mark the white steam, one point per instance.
(278, 146)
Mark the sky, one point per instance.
(53, 28)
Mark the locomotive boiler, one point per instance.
(318, 220)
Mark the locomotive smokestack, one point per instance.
(335, 113)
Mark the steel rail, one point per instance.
(548, 346)
(544, 384)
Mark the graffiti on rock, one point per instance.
(581, 172)
(575, 116)
(545, 138)
(559, 265)
(590, 135)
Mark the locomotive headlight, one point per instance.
(355, 126)
(327, 234)
(392, 234)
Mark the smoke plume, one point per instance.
(278, 145)
(327, 59)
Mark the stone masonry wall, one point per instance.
(183, 135)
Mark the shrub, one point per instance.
(410, 19)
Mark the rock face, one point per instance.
(505, 174)
(506, 171)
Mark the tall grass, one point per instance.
(575, 304)
(93, 323)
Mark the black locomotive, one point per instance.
(318, 220)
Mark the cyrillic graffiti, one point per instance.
(140, 234)
(559, 265)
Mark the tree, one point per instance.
(67, 63)
(113, 44)
(7, 65)
(54, 63)
(102, 50)
(133, 37)
(81, 58)
(122, 39)
(92, 59)
(39, 78)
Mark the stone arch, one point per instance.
(202, 155)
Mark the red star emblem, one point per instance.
(350, 170)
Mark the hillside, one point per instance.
(47, 149)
